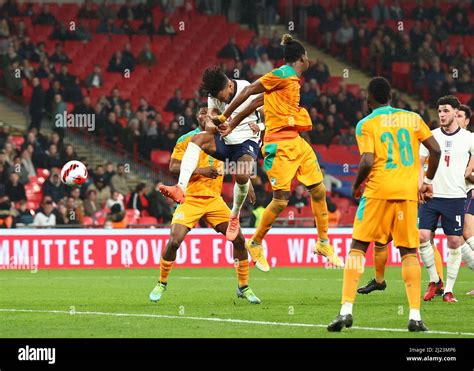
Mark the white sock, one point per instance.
(467, 256)
(188, 164)
(428, 259)
(346, 308)
(240, 194)
(454, 262)
(415, 315)
(470, 242)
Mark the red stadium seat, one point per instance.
(132, 215)
(87, 220)
(161, 158)
(464, 98)
(144, 220)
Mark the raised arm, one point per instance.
(255, 88)
(252, 107)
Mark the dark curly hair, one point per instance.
(213, 81)
(380, 88)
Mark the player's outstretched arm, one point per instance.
(365, 166)
(252, 107)
(255, 88)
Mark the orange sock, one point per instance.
(242, 270)
(380, 259)
(352, 273)
(271, 212)
(411, 273)
(438, 263)
(165, 269)
(320, 210)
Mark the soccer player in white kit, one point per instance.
(449, 197)
(241, 147)
(463, 117)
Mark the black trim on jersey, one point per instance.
(453, 133)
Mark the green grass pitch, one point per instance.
(201, 302)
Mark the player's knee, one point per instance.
(242, 178)
(425, 236)
(454, 242)
(197, 139)
(318, 192)
(173, 243)
(278, 205)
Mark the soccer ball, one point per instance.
(74, 173)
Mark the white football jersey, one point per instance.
(242, 132)
(456, 149)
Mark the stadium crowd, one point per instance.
(334, 108)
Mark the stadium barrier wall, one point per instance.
(141, 248)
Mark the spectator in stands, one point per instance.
(113, 129)
(175, 104)
(19, 169)
(108, 26)
(330, 181)
(27, 70)
(166, 28)
(307, 96)
(128, 57)
(87, 11)
(58, 110)
(45, 217)
(27, 49)
(138, 199)
(146, 56)
(102, 190)
(396, 12)
(348, 137)
(24, 216)
(345, 34)
(36, 104)
(65, 78)
(131, 137)
(74, 212)
(91, 205)
(316, 10)
(59, 56)
(255, 49)
(117, 217)
(95, 79)
(417, 35)
(115, 98)
(231, 50)
(5, 28)
(381, 12)
(62, 32)
(68, 154)
(56, 139)
(117, 63)
(106, 11)
(52, 158)
(40, 52)
(53, 186)
(46, 70)
(147, 27)
(12, 82)
(126, 11)
(298, 198)
(6, 212)
(159, 207)
(263, 65)
(82, 33)
(27, 163)
(14, 189)
(9, 152)
(109, 172)
(328, 27)
(435, 79)
(45, 17)
(85, 107)
(117, 198)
